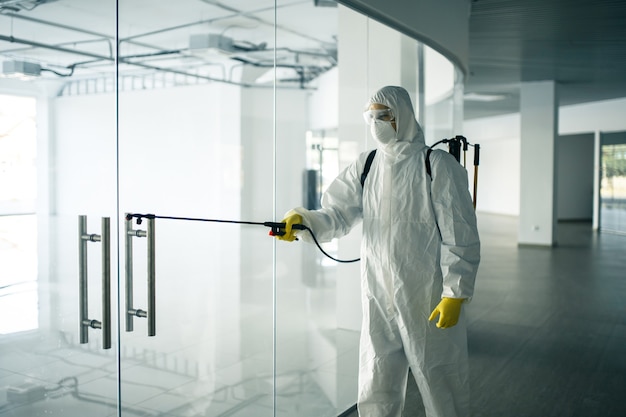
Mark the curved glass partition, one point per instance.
(142, 147)
(185, 145)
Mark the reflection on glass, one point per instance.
(18, 191)
(56, 164)
(18, 152)
(18, 280)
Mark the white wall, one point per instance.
(179, 155)
(605, 116)
(371, 56)
(499, 168)
(323, 104)
(499, 137)
(83, 148)
(177, 143)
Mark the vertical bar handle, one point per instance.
(82, 280)
(132, 312)
(129, 274)
(151, 279)
(106, 283)
(85, 321)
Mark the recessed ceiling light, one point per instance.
(483, 97)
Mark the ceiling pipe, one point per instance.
(110, 39)
(126, 60)
(12, 39)
(160, 51)
(235, 13)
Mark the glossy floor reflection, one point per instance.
(220, 356)
(547, 333)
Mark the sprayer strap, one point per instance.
(428, 169)
(368, 164)
(370, 159)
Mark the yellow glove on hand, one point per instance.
(291, 218)
(448, 311)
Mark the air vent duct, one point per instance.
(17, 5)
(211, 42)
(20, 69)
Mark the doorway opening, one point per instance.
(613, 188)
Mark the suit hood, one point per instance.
(408, 130)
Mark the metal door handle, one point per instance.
(132, 312)
(85, 322)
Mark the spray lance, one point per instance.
(276, 229)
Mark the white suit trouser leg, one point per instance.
(383, 373)
(384, 363)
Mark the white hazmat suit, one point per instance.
(420, 243)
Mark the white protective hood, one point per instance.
(408, 130)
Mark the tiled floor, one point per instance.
(547, 332)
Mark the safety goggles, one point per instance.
(385, 115)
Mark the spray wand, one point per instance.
(276, 229)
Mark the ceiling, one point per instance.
(579, 43)
(183, 41)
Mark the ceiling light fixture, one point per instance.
(484, 97)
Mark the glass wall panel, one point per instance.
(196, 133)
(308, 340)
(443, 94)
(318, 300)
(180, 128)
(319, 131)
(58, 340)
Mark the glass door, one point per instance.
(58, 338)
(613, 183)
(143, 145)
(196, 144)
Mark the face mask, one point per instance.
(383, 132)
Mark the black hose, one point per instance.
(343, 261)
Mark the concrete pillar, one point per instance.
(597, 177)
(539, 130)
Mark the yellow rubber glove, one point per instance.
(291, 218)
(448, 311)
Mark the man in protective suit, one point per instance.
(419, 255)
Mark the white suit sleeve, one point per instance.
(456, 219)
(342, 206)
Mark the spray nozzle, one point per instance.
(278, 229)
